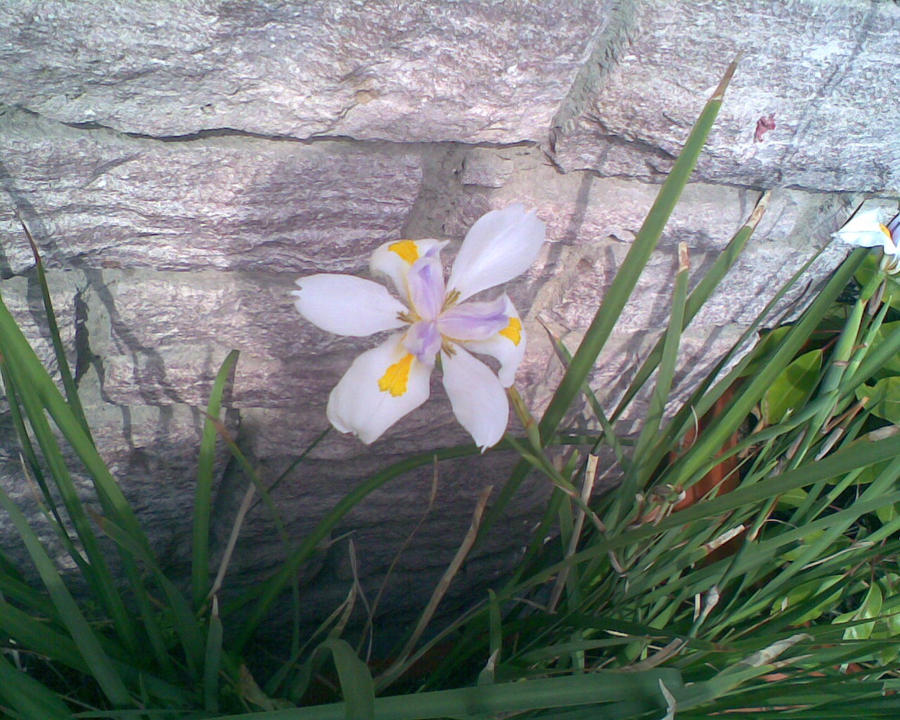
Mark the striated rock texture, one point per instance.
(180, 167)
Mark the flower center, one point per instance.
(396, 378)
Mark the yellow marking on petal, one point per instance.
(406, 249)
(513, 331)
(885, 230)
(396, 377)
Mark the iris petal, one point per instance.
(476, 396)
(507, 345)
(499, 246)
(474, 320)
(866, 230)
(425, 281)
(423, 340)
(347, 305)
(358, 404)
(394, 259)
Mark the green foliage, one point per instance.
(748, 563)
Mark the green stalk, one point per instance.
(102, 670)
(683, 472)
(620, 290)
(203, 494)
(639, 472)
(627, 276)
(64, 372)
(698, 297)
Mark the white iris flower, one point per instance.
(866, 230)
(389, 381)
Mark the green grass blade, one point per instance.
(498, 700)
(97, 570)
(102, 669)
(620, 290)
(627, 276)
(356, 682)
(665, 374)
(710, 389)
(28, 698)
(709, 442)
(203, 495)
(31, 373)
(698, 297)
(64, 372)
(39, 637)
(182, 616)
(860, 454)
(212, 660)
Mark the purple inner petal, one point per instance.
(423, 340)
(474, 320)
(426, 286)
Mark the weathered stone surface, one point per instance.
(817, 68)
(173, 241)
(97, 199)
(471, 71)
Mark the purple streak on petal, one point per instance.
(474, 320)
(423, 340)
(426, 286)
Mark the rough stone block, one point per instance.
(817, 69)
(96, 199)
(469, 71)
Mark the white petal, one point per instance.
(394, 259)
(865, 229)
(499, 246)
(508, 345)
(476, 396)
(358, 405)
(347, 305)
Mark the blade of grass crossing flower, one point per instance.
(102, 669)
(203, 494)
(64, 372)
(621, 288)
(28, 698)
(697, 298)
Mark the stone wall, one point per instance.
(181, 164)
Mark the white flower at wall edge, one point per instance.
(433, 318)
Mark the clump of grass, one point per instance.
(747, 564)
